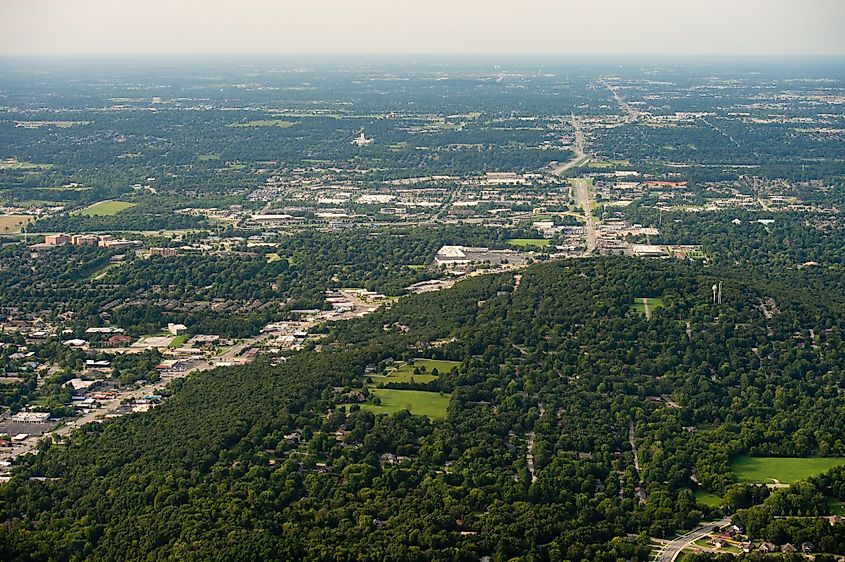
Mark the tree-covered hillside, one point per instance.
(561, 377)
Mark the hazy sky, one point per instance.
(423, 26)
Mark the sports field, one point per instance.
(106, 208)
(778, 470)
(528, 242)
(418, 402)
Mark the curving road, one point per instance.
(581, 155)
(670, 551)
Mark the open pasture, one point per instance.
(780, 470)
(106, 208)
(13, 223)
(418, 402)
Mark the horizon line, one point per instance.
(414, 53)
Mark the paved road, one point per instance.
(634, 448)
(529, 456)
(631, 113)
(581, 192)
(670, 551)
(580, 154)
(236, 350)
(111, 405)
(583, 200)
(107, 406)
(647, 309)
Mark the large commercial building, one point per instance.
(56, 239)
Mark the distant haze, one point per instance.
(797, 27)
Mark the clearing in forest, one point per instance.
(15, 164)
(106, 208)
(707, 498)
(418, 402)
(405, 371)
(646, 305)
(779, 470)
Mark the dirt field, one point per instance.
(13, 223)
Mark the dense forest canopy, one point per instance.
(559, 355)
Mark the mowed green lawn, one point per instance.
(529, 242)
(653, 304)
(405, 372)
(766, 470)
(707, 498)
(106, 208)
(442, 365)
(418, 402)
(179, 341)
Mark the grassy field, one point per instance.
(653, 304)
(418, 402)
(179, 341)
(14, 164)
(608, 163)
(59, 124)
(106, 208)
(208, 157)
(440, 364)
(405, 372)
(706, 498)
(267, 123)
(692, 254)
(768, 470)
(528, 242)
(103, 271)
(13, 223)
